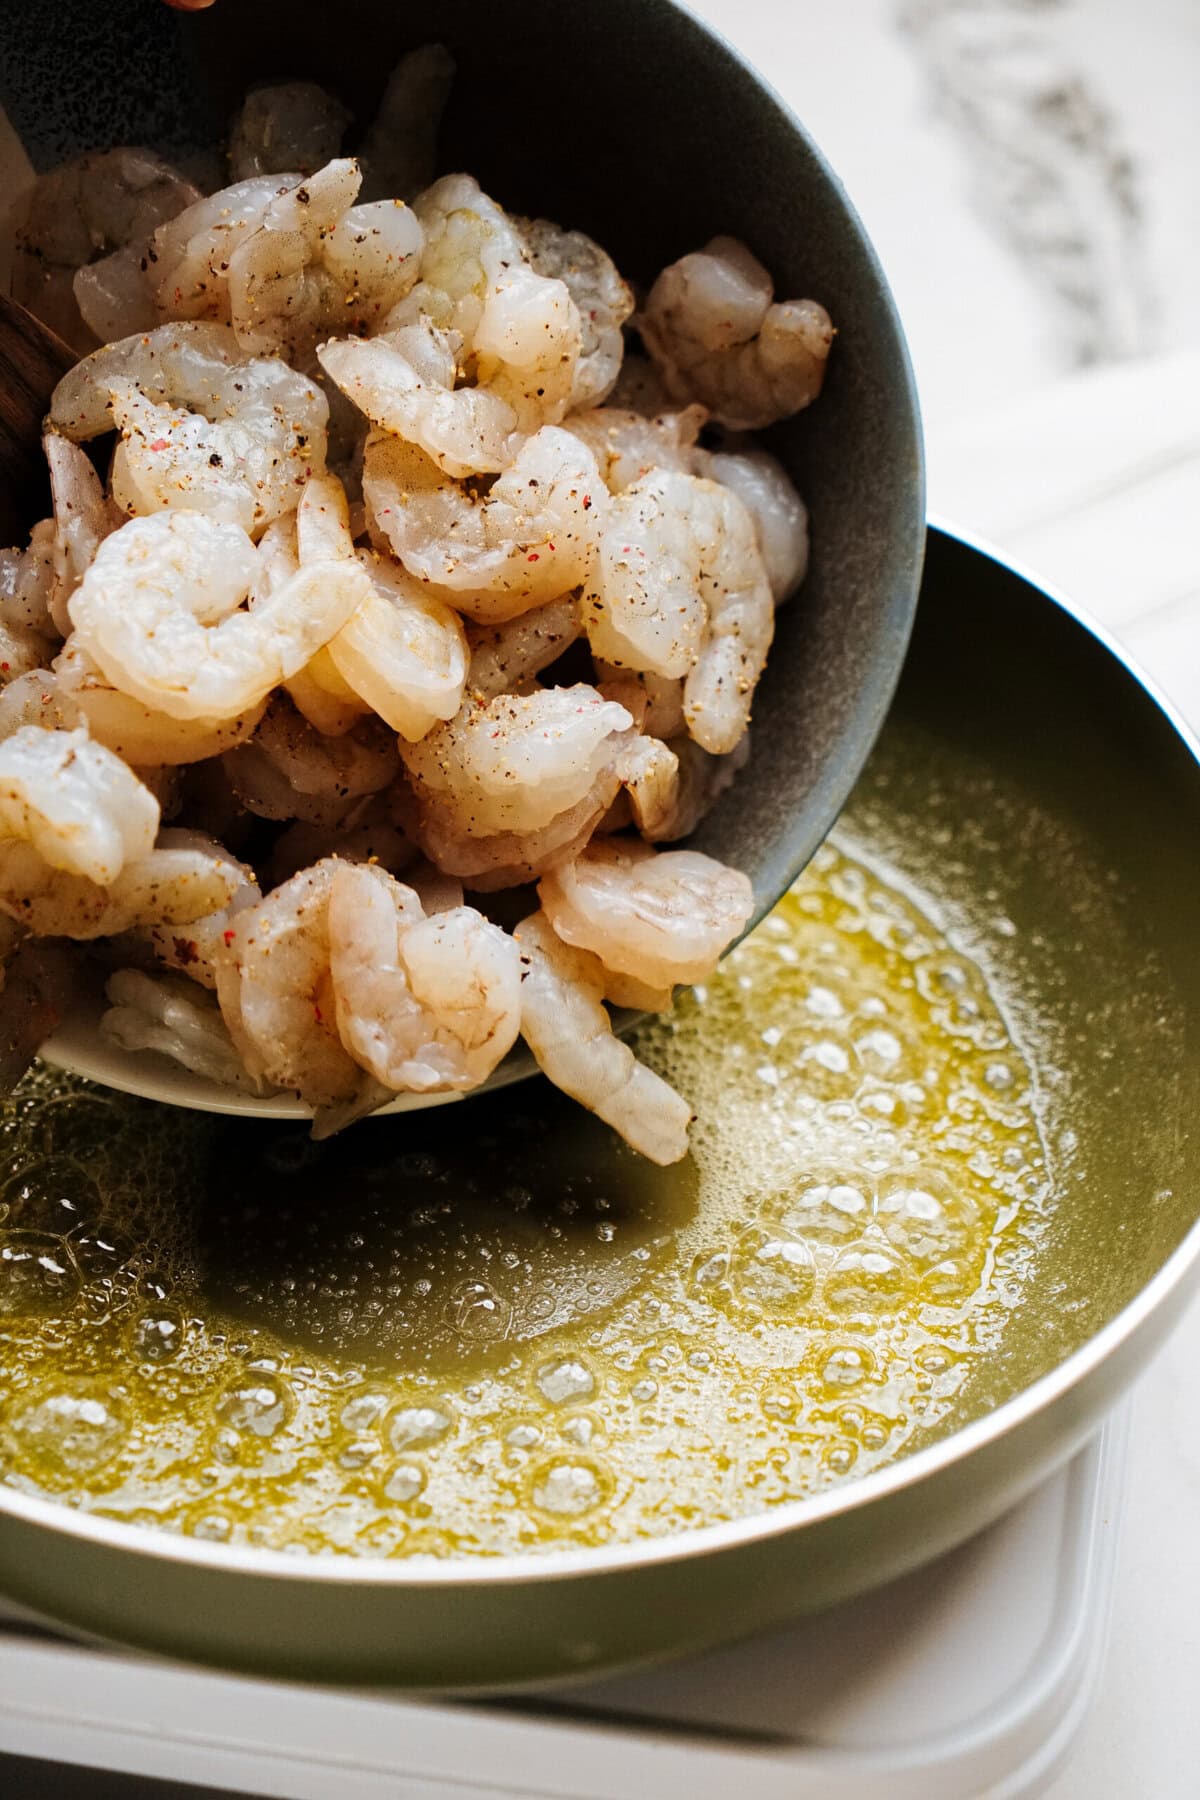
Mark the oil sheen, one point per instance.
(490, 1327)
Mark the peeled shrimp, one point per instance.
(399, 150)
(317, 689)
(404, 382)
(715, 336)
(191, 254)
(288, 770)
(471, 245)
(184, 877)
(157, 611)
(276, 995)
(507, 859)
(516, 763)
(204, 426)
(194, 949)
(319, 263)
(659, 916)
(138, 734)
(404, 651)
(504, 657)
(79, 807)
(287, 125)
(176, 1020)
(27, 586)
(83, 518)
(529, 540)
(26, 590)
(99, 206)
(628, 446)
(780, 516)
(681, 590)
(523, 330)
(698, 783)
(656, 701)
(565, 1025)
(649, 772)
(603, 299)
(37, 698)
(423, 1004)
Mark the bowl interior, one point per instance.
(628, 119)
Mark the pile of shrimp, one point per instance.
(410, 579)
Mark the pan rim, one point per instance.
(536, 1567)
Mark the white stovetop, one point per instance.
(1030, 173)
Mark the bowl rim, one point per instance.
(570, 1564)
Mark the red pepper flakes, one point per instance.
(533, 556)
(160, 444)
(229, 937)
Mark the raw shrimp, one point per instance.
(565, 1025)
(317, 689)
(507, 859)
(399, 150)
(505, 657)
(780, 516)
(423, 1004)
(175, 1019)
(404, 383)
(318, 263)
(288, 770)
(527, 348)
(276, 996)
(26, 592)
(184, 877)
(471, 245)
(656, 701)
(190, 255)
(628, 446)
(715, 336)
(99, 206)
(287, 125)
(532, 537)
(404, 652)
(516, 763)
(37, 699)
(83, 518)
(649, 773)
(699, 781)
(659, 916)
(682, 591)
(195, 949)
(138, 734)
(522, 330)
(79, 807)
(204, 426)
(604, 301)
(157, 611)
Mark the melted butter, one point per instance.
(491, 1327)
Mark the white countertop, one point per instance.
(1030, 173)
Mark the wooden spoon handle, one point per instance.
(32, 361)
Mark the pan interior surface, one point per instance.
(944, 1096)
